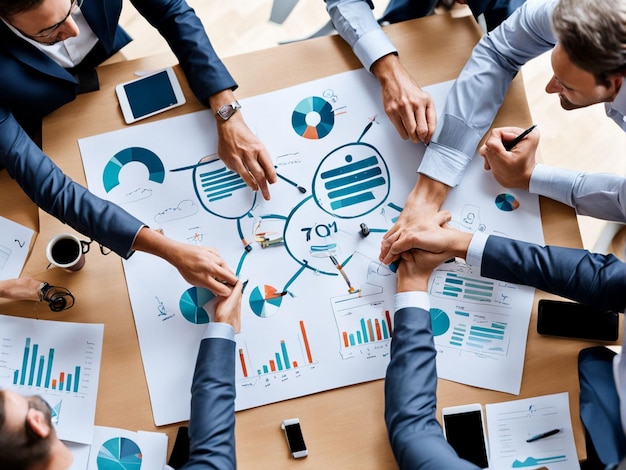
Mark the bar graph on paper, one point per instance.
(471, 289)
(364, 326)
(59, 361)
(287, 360)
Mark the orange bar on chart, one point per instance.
(309, 356)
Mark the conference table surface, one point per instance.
(343, 428)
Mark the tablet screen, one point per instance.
(150, 94)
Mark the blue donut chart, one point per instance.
(111, 174)
(313, 104)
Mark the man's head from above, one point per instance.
(44, 21)
(589, 60)
(28, 441)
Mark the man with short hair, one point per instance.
(28, 441)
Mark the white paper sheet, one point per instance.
(15, 240)
(303, 331)
(59, 361)
(511, 423)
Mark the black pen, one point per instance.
(543, 435)
(518, 139)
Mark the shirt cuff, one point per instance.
(411, 299)
(444, 164)
(476, 249)
(555, 183)
(220, 330)
(372, 46)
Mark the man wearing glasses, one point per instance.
(46, 48)
(28, 440)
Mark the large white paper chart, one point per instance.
(59, 361)
(318, 305)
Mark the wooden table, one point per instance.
(343, 428)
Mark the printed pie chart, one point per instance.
(506, 202)
(111, 174)
(265, 301)
(119, 453)
(440, 321)
(192, 304)
(313, 118)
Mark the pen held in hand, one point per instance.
(509, 145)
(543, 435)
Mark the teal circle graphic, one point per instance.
(506, 202)
(265, 301)
(324, 110)
(119, 453)
(111, 174)
(440, 321)
(192, 304)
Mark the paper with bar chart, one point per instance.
(318, 305)
(59, 361)
(511, 424)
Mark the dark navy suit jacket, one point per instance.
(411, 381)
(212, 420)
(32, 85)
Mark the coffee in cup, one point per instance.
(66, 251)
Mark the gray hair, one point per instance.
(593, 34)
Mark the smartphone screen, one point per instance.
(150, 94)
(295, 438)
(574, 320)
(465, 433)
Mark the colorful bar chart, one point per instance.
(37, 371)
(283, 357)
(370, 330)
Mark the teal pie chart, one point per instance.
(265, 301)
(192, 304)
(313, 118)
(506, 202)
(440, 321)
(119, 453)
(111, 174)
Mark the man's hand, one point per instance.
(420, 213)
(199, 265)
(410, 109)
(24, 288)
(242, 152)
(512, 169)
(432, 247)
(228, 309)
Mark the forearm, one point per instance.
(58, 195)
(600, 195)
(572, 273)
(182, 29)
(24, 288)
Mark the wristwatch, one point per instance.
(227, 110)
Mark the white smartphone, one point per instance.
(464, 429)
(149, 95)
(295, 440)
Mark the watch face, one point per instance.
(227, 110)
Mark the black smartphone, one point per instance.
(464, 429)
(574, 320)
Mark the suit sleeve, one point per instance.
(59, 195)
(212, 421)
(416, 437)
(573, 273)
(177, 22)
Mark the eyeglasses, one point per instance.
(47, 33)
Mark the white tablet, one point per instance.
(149, 95)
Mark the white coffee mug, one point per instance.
(67, 251)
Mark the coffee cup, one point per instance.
(67, 251)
